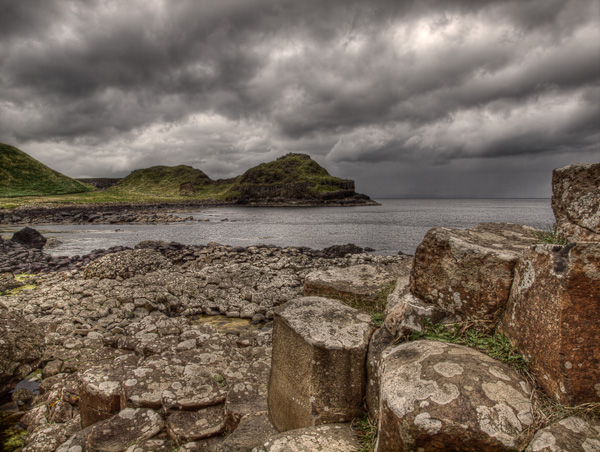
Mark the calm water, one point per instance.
(396, 225)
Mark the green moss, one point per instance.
(551, 237)
(365, 428)
(22, 175)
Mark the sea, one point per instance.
(397, 225)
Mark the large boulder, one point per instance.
(126, 264)
(30, 238)
(21, 348)
(576, 201)
(447, 397)
(552, 318)
(467, 274)
(572, 434)
(318, 367)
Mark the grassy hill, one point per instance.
(164, 180)
(22, 175)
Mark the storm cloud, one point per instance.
(409, 98)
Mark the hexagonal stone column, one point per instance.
(552, 317)
(318, 369)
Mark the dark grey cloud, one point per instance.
(447, 88)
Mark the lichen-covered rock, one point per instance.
(552, 318)
(153, 445)
(21, 347)
(318, 366)
(467, 274)
(143, 386)
(187, 426)
(253, 430)
(322, 438)
(128, 427)
(354, 283)
(572, 434)
(127, 264)
(447, 397)
(576, 201)
(198, 387)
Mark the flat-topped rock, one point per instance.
(446, 397)
(340, 283)
(467, 273)
(572, 434)
(323, 380)
(322, 438)
(552, 318)
(126, 264)
(187, 426)
(253, 430)
(126, 428)
(576, 201)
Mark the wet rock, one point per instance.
(30, 238)
(21, 396)
(253, 430)
(323, 381)
(127, 264)
(467, 274)
(324, 438)
(342, 250)
(188, 426)
(572, 434)
(128, 427)
(576, 201)
(549, 318)
(356, 283)
(446, 397)
(21, 348)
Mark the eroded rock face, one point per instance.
(323, 380)
(446, 397)
(552, 318)
(21, 347)
(576, 201)
(324, 438)
(127, 264)
(572, 434)
(467, 274)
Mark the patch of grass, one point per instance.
(365, 428)
(220, 379)
(496, 346)
(551, 237)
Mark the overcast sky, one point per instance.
(408, 98)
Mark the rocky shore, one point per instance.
(214, 348)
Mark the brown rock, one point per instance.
(552, 318)
(154, 445)
(323, 380)
(467, 274)
(446, 397)
(253, 430)
(187, 426)
(128, 427)
(322, 438)
(572, 434)
(126, 264)
(576, 201)
(199, 387)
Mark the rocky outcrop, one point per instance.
(446, 397)
(29, 238)
(467, 274)
(551, 318)
(576, 201)
(127, 264)
(21, 348)
(323, 380)
(572, 434)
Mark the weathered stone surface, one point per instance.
(30, 238)
(323, 380)
(127, 264)
(576, 201)
(356, 282)
(552, 318)
(187, 426)
(21, 347)
(467, 274)
(100, 389)
(446, 397)
(143, 386)
(128, 427)
(199, 387)
(572, 434)
(153, 445)
(46, 439)
(253, 430)
(322, 438)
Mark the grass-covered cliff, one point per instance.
(22, 175)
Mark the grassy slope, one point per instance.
(291, 168)
(22, 175)
(161, 180)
